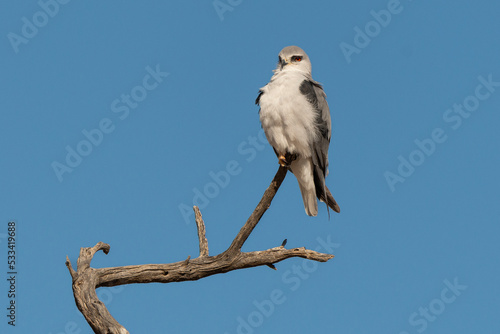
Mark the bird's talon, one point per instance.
(283, 161)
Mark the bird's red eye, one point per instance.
(296, 58)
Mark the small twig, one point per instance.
(201, 232)
(70, 268)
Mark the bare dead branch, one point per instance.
(86, 279)
(259, 211)
(85, 282)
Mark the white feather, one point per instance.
(302, 169)
(286, 116)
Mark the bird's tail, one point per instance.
(312, 186)
(311, 203)
(322, 191)
(330, 201)
(309, 199)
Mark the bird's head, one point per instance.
(293, 58)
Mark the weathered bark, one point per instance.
(87, 279)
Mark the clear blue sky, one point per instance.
(414, 92)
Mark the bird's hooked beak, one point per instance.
(283, 63)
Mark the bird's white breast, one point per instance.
(287, 118)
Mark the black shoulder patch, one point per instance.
(307, 89)
(257, 100)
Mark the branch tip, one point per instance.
(200, 225)
(72, 271)
(102, 246)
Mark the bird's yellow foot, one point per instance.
(282, 160)
(286, 159)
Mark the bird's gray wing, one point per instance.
(314, 93)
(319, 148)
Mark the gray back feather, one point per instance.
(317, 97)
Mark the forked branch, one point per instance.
(86, 279)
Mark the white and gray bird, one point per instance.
(296, 120)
